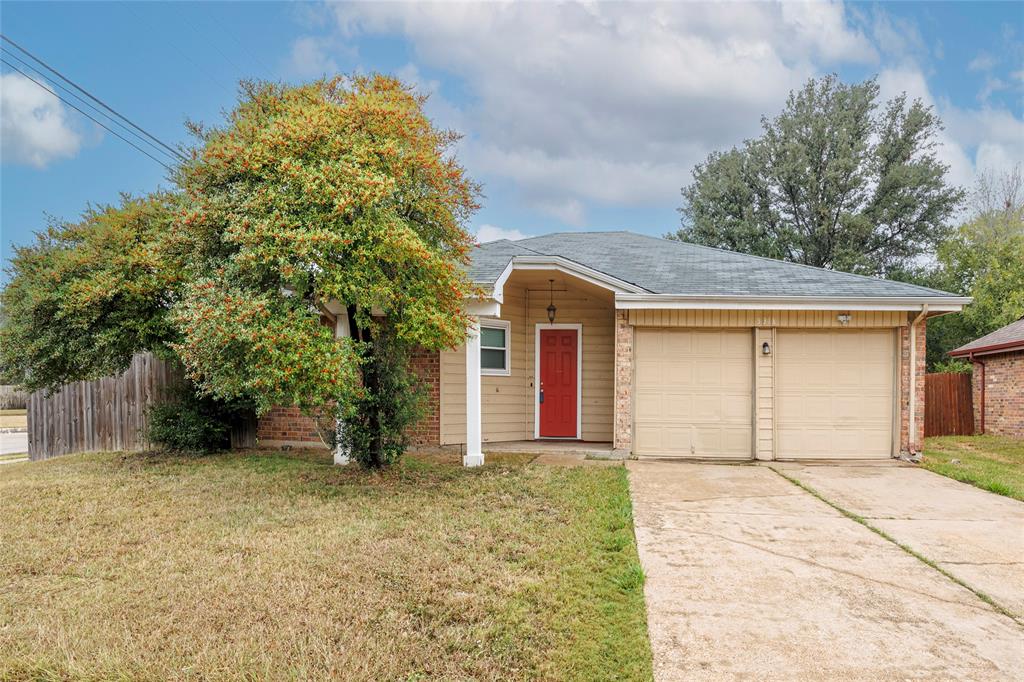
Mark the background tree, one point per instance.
(86, 296)
(983, 258)
(339, 190)
(837, 180)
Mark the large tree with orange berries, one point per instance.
(336, 195)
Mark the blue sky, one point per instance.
(575, 116)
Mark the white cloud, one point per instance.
(492, 233)
(896, 36)
(611, 102)
(311, 58)
(983, 62)
(35, 126)
(577, 104)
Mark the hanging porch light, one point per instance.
(551, 306)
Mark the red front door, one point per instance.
(558, 377)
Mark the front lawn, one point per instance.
(994, 463)
(281, 566)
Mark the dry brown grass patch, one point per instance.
(277, 566)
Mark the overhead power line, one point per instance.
(103, 104)
(94, 120)
(51, 82)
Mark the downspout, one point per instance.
(912, 435)
(982, 407)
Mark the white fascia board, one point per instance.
(483, 308)
(629, 301)
(569, 267)
(498, 288)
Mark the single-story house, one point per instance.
(998, 380)
(666, 349)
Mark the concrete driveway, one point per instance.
(749, 576)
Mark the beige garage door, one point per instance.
(693, 393)
(834, 394)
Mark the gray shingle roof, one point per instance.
(1012, 333)
(665, 266)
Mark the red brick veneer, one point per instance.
(1004, 394)
(288, 426)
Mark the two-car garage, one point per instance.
(831, 392)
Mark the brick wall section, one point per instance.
(907, 444)
(1004, 394)
(427, 365)
(287, 425)
(623, 417)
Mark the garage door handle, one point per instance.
(542, 395)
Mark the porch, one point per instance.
(597, 450)
(536, 373)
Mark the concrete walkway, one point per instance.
(750, 577)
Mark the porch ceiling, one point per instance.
(537, 282)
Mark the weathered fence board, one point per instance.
(948, 406)
(106, 414)
(12, 399)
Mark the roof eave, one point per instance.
(1008, 347)
(936, 304)
(560, 264)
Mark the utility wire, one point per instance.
(103, 104)
(97, 122)
(50, 81)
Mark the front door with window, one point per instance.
(559, 383)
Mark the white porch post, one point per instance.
(474, 456)
(341, 453)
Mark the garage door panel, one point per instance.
(834, 394)
(677, 374)
(694, 393)
(647, 372)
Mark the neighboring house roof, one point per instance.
(665, 266)
(1003, 340)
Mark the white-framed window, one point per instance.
(495, 348)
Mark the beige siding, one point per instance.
(507, 403)
(764, 318)
(764, 395)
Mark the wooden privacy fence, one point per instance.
(105, 414)
(12, 399)
(948, 405)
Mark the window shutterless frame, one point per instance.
(489, 347)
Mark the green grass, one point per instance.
(13, 456)
(993, 463)
(281, 566)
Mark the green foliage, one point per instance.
(377, 419)
(338, 191)
(192, 423)
(835, 181)
(338, 195)
(953, 365)
(87, 296)
(984, 259)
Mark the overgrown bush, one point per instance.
(191, 423)
(391, 401)
(954, 365)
